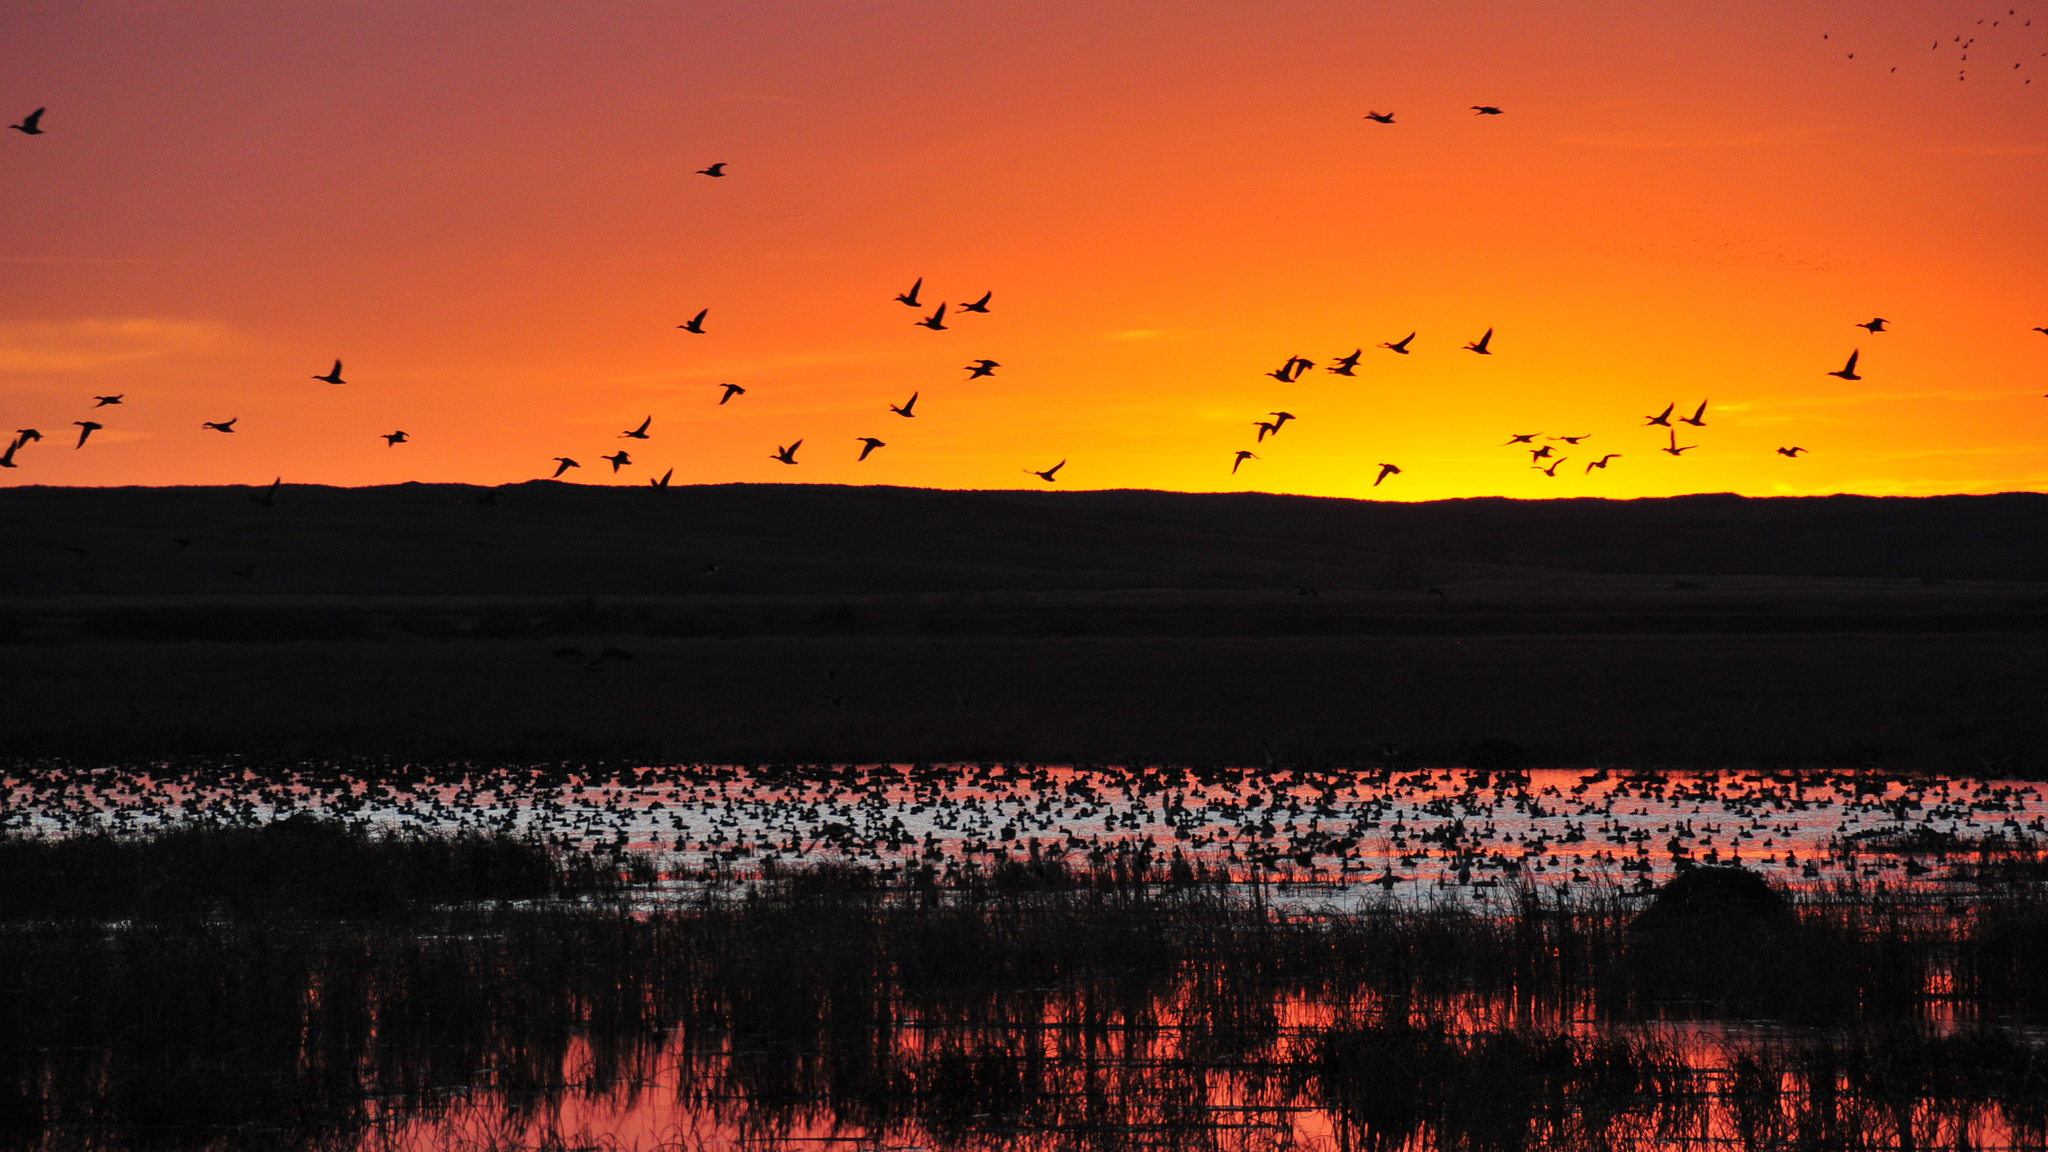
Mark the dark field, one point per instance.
(791, 624)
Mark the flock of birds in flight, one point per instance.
(1543, 457)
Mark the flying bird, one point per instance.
(1480, 344)
(1400, 345)
(1848, 371)
(563, 464)
(85, 429)
(31, 124)
(1265, 429)
(639, 433)
(334, 375)
(1281, 418)
(1049, 474)
(7, 457)
(1380, 117)
(1674, 449)
(909, 299)
(106, 400)
(1243, 454)
(1602, 462)
(1539, 453)
(1344, 365)
(619, 460)
(24, 435)
(269, 497)
(662, 484)
(731, 390)
(715, 170)
(981, 368)
(696, 323)
(1663, 418)
(1571, 440)
(787, 455)
(1791, 453)
(1552, 470)
(1386, 470)
(392, 439)
(1521, 437)
(980, 305)
(1486, 110)
(1698, 419)
(222, 426)
(1875, 325)
(905, 411)
(2042, 331)
(867, 444)
(936, 321)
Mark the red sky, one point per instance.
(491, 213)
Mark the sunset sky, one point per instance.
(491, 213)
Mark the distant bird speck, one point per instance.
(85, 429)
(333, 375)
(1698, 419)
(906, 411)
(909, 299)
(1552, 470)
(1345, 365)
(1049, 474)
(1521, 438)
(1243, 454)
(981, 368)
(227, 425)
(696, 323)
(1486, 110)
(1875, 325)
(563, 464)
(1601, 463)
(662, 484)
(980, 305)
(393, 439)
(867, 444)
(1674, 448)
(936, 321)
(787, 455)
(1662, 418)
(1386, 470)
(31, 125)
(1848, 371)
(639, 433)
(1791, 453)
(103, 401)
(1480, 344)
(1400, 345)
(715, 170)
(619, 460)
(1380, 117)
(731, 390)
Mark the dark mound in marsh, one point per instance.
(1713, 894)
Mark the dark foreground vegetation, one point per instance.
(1129, 1003)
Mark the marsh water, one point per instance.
(1047, 957)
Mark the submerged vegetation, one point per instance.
(1056, 1003)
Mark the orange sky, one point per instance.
(489, 212)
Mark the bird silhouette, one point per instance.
(1571, 440)
(639, 433)
(85, 429)
(1380, 117)
(980, 305)
(1480, 344)
(1049, 474)
(867, 444)
(1791, 453)
(1486, 110)
(2042, 331)
(1521, 437)
(269, 497)
(1698, 419)
(1875, 325)
(1344, 365)
(1674, 449)
(662, 484)
(393, 439)
(905, 411)
(1281, 418)
(222, 426)
(1400, 345)
(731, 390)
(909, 299)
(787, 455)
(1552, 470)
(1265, 429)
(563, 464)
(696, 323)
(1848, 371)
(1243, 454)
(31, 124)
(981, 368)
(1386, 470)
(1662, 418)
(1284, 373)
(24, 435)
(1539, 453)
(106, 400)
(619, 460)
(1601, 463)
(936, 321)
(1300, 364)
(7, 457)
(333, 375)
(715, 170)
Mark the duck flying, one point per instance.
(1601, 463)
(715, 170)
(24, 435)
(661, 485)
(905, 410)
(31, 124)
(563, 464)
(333, 375)
(639, 433)
(981, 368)
(1400, 345)
(1386, 470)
(909, 299)
(394, 439)
(1486, 110)
(1050, 474)
(1791, 453)
(1280, 418)
(787, 455)
(103, 401)
(1848, 371)
(1698, 419)
(1243, 454)
(1521, 438)
(1380, 117)
(1875, 324)
(85, 429)
(936, 321)
(1539, 453)
(269, 497)
(1662, 418)
(867, 444)
(1674, 448)
(1265, 429)
(220, 426)
(1480, 344)
(1552, 470)
(696, 323)
(619, 460)
(980, 305)
(1571, 440)
(731, 390)
(7, 457)
(1344, 365)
